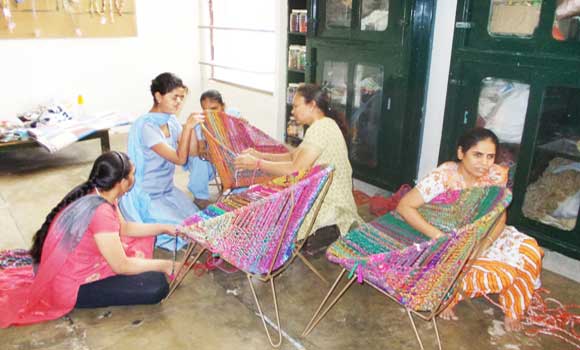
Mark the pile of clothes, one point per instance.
(41, 116)
(554, 198)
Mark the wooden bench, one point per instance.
(103, 135)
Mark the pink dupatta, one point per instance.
(69, 259)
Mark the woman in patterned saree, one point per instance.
(86, 254)
(510, 262)
(323, 144)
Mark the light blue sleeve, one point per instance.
(152, 135)
(198, 132)
(233, 112)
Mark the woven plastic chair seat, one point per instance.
(255, 230)
(227, 137)
(416, 271)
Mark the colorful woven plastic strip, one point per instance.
(12, 258)
(400, 260)
(255, 230)
(227, 137)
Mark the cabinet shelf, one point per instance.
(296, 34)
(299, 71)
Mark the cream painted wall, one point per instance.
(437, 85)
(111, 74)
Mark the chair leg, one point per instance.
(437, 333)
(184, 269)
(312, 268)
(317, 317)
(415, 329)
(261, 313)
(176, 279)
(217, 183)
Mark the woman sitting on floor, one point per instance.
(86, 255)
(510, 263)
(157, 143)
(323, 144)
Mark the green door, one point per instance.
(373, 60)
(515, 69)
(487, 94)
(547, 188)
(363, 94)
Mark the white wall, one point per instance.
(111, 74)
(437, 84)
(264, 110)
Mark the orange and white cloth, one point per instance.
(511, 266)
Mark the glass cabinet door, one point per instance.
(374, 15)
(335, 80)
(365, 121)
(502, 107)
(338, 13)
(360, 98)
(518, 18)
(552, 194)
(373, 20)
(500, 24)
(491, 96)
(530, 26)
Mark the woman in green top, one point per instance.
(323, 143)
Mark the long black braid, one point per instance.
(109, 168)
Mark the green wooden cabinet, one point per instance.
(372, 57)
(522, 80)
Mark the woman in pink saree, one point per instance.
(86, 255)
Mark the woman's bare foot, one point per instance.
(512, 324)
(449, 315)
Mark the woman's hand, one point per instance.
(246, 161)
(169, 229)
(194, 119)
(251, 152)
(168, 267)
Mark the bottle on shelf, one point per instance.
(294, 25)
(297, 57)
(290, 92)
(302, 21)
(301, 61)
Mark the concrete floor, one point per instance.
(216, 310)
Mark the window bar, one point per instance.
(239, 69)
(240, 29)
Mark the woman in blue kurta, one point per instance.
(157, 143)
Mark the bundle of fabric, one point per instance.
(554, 197)
(416, 271)
(227, 137)
(255, 230)
(382, 205)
